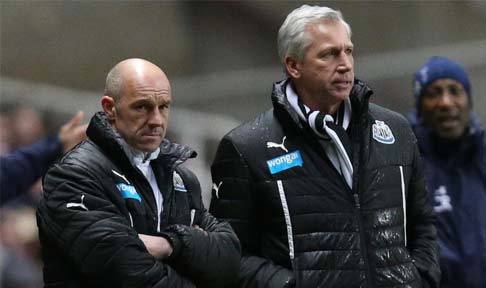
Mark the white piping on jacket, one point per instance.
(131, 219)
(404, 205)
(121, 176)
(285, 207)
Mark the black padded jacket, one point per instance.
(95, 203)
(300, 224)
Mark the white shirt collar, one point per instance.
(136, 156)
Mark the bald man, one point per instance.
(120, 210)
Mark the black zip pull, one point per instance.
(356, 200)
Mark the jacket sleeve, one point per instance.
(78, 218)
(22, 167)
(209, 254)
(233, 201)
(421, 232)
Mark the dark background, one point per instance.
(221, 56)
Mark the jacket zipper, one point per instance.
(357, 160)
(362, 238)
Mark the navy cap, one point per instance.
(438, 68)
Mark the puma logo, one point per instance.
(78, 205)
(216, 188)
(276, 145)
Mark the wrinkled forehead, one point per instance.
(326, 32)
(151, 86)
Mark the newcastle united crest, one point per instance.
(382, 133)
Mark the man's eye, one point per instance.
(454, 91)
(349, 51)
(432, 94)
(325, 54)
(143, 108)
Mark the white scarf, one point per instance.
(334, 149)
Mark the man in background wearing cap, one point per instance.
(453, 147)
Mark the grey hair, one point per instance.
(292, 38)
(114, 81)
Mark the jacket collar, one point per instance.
(359, 97)
(104, 135)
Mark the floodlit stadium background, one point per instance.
(221, 57)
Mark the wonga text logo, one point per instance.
(285, 162)
(128, 191)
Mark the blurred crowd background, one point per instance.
(221, 58)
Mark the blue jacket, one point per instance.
(456, 180)
(22, 167)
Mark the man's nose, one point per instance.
(156, 118)
(345, 62)
(445, 99)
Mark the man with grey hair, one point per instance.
(325, 189)
(120, 209)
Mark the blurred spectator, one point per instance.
(5, 134)
(453, 147)
(27, 126)
(20, 168)
(19, 249)
(24, 126)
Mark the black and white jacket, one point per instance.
(95, 203)
(298, 221)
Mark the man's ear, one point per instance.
(108, 104)
(292, 67)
